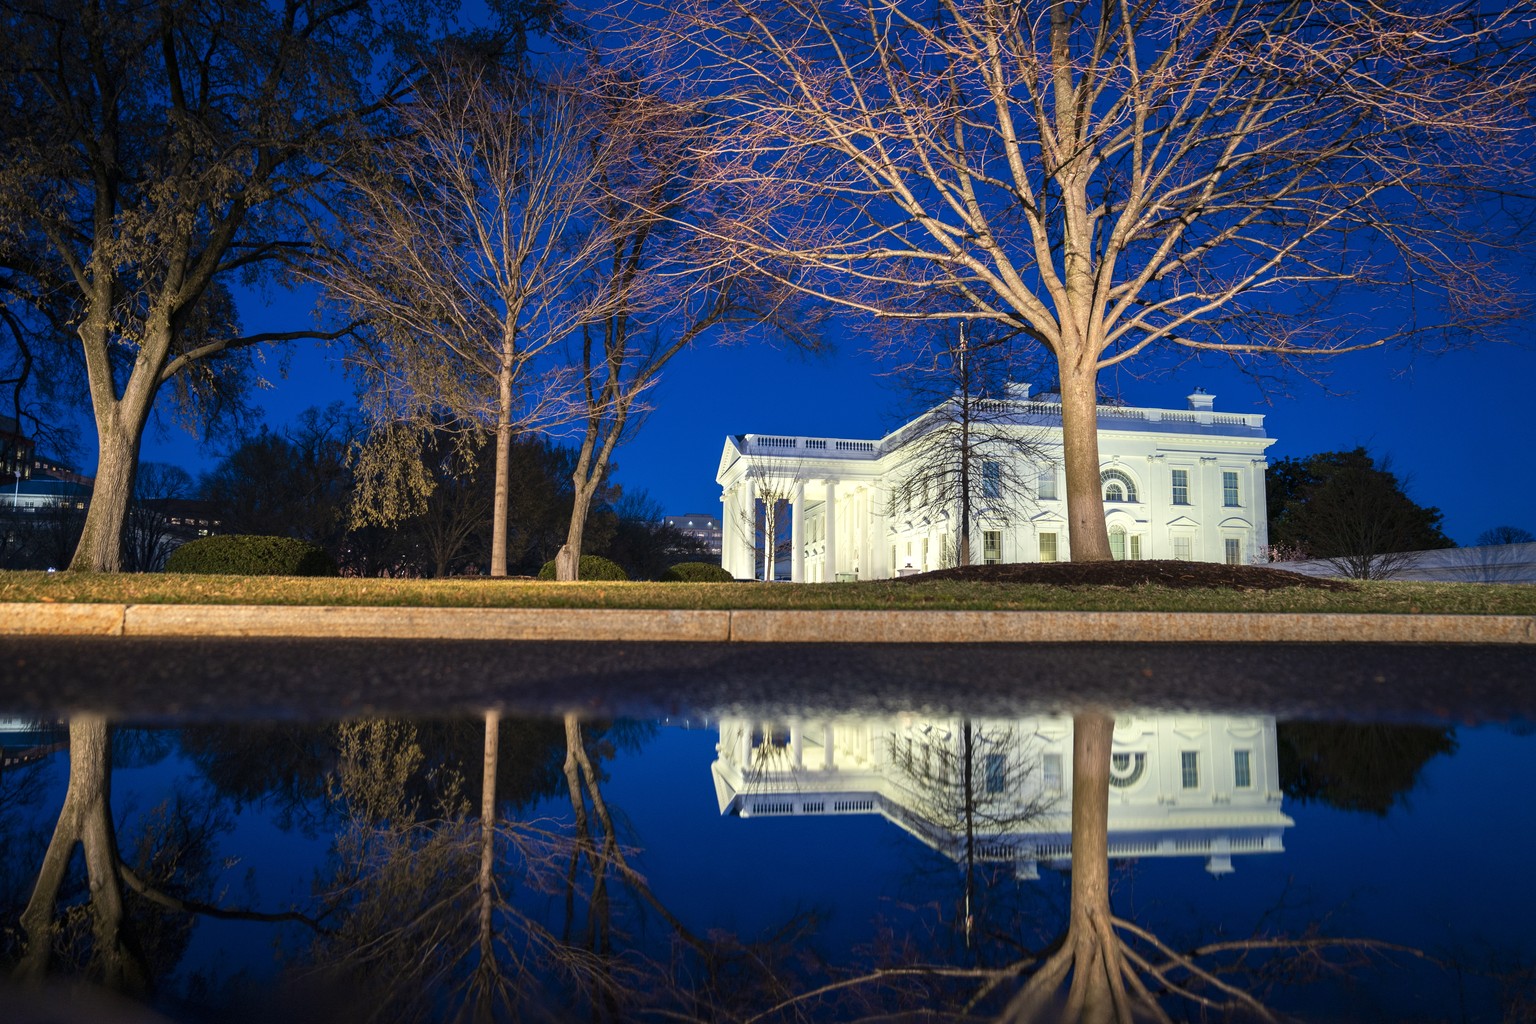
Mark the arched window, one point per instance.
(1117, 486)
(1125, 770)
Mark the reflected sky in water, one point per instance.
(724, 866)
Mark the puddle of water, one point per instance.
(769, 867)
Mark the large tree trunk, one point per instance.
(503, 464)
(85, 818)
(1088, 534)
(120, 430)
(490, 972)
(568, 559)
(1096, 961)
(1090, 952)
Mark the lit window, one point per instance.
(1234, 551)
(997, 772)
(1117, 486)
(1047, 482)
(1135, 547)
(1051, 773)
(1048, 547)
(1183, 549)
(1229, 489)
(992, 546)
(1181, 487)
(1242, 769)
(1189, 769)
(991, 480)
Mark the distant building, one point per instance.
(16, 452)
(699, 526)
(1177, 484)
(1180, 785)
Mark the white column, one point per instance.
(797, 744)
(728, 530)
(1209, 504)
(830, 573)
(880, 542)
(827, 753)
(1258, 499)
(797, 535)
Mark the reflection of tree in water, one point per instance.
(436, 905)
(1102, 967)
(1357, 767)
(448, 898)
(126, 919)
(964, 787)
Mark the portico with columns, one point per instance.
(1178, 484)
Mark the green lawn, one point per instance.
(164, 588)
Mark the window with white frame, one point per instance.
(1189, 769)
(1117, 543)
(1242, 769)
(1051, 779)
(1135, 547)
(1048, 547)
(1234, 551)
(1181, 487)
(991, 479)
(1046, 482)
(1229, 489)
(1183, 549)
(992, 546)
(1117, 486)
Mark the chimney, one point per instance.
(1202, 402)
(1018, 391)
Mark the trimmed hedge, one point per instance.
(244, 555)
(697, 572)
(592, 567)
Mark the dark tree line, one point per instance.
(302, 482)
(1349, 509)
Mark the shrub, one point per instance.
(698, 572)
(242, 555)
(592, 567)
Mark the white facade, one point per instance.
(1180, 785)
(1179, 484)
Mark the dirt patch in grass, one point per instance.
(1174, 575)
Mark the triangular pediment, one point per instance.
(1047, 516)
(728, 457)
(1183, 521)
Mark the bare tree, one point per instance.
(655, 289)
(969, 454)
(1115, 180)
(1505, 535)
(153, 154)
(461, 246)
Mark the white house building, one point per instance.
(1177, 483)
(1180, 785)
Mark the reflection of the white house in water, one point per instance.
(1181, 785)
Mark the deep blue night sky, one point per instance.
(1458, 426)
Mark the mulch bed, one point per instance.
(1178, 575)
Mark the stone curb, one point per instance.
(749, 626)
